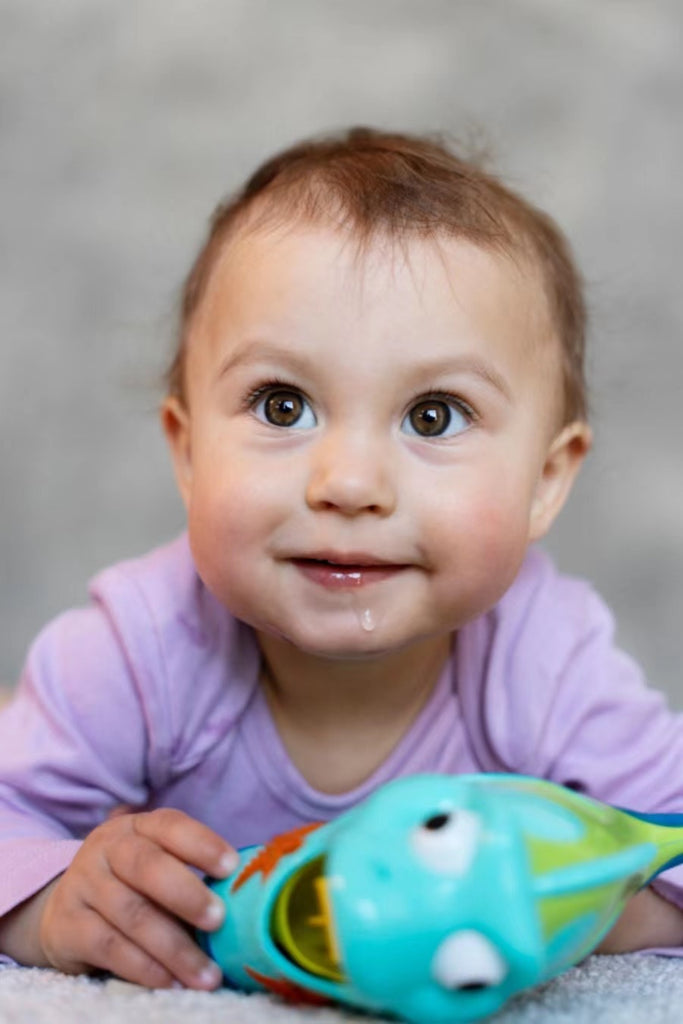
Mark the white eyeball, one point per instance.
(447, 841)
(467, 961)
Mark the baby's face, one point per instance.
(370, 440)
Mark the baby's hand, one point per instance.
(121, 904)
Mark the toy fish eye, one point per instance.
(446, 841)
(436, 821)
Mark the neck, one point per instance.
(318, 692)
(340, 720)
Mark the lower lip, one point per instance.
(344, 577)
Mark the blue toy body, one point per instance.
(438, 898)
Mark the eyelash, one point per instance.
(439, 395)
(435, 394)
(274, 384)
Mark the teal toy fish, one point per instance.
(439, 897)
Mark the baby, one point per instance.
(375, 409)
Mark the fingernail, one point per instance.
(214, 913)
(210, 976)
(228, 862)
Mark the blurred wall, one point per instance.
(121, 125)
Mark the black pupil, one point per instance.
(437, 821)
(283, 408)
(430, 418)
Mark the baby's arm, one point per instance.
(76, 742)
(648, 922)
(124, 903)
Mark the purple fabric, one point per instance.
(150, 697)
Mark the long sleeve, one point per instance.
(72, 746)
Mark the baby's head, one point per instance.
(378, 399)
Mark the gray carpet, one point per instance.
(614, 990)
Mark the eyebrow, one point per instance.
(472, 364)
(469, 363)
(258, 351)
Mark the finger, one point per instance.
(188, 839)
(157, 935)
(159, 876)
(96, 944)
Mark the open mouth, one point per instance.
(334, 575)
(302, 923)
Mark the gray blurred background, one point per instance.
(122, 124)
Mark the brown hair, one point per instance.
(401, 184)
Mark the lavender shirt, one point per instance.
(150, 697)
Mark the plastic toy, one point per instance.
(438, 898)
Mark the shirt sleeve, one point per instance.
(72, 747)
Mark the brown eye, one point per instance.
(437, 417)
(280, 405)
(430, 418)
(283, 408)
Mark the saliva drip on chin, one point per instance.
(366, 611)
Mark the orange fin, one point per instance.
(270, 855)
(288, 990)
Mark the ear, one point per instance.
(175, 420)
(563, 461)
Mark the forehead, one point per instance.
(298, 269)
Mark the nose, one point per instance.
(351, 474)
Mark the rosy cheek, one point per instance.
(494, 522)
(484, 538)
(502, 534)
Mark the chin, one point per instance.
(337, 647)
(339, 650)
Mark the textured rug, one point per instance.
(613, 990)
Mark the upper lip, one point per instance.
(354, 558)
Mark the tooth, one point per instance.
(466, 959)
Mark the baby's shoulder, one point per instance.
(194, 663)
(537, 658)
(160, 596)
(547, 630)
(549, 609)
(164, 614)
(162, 580)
